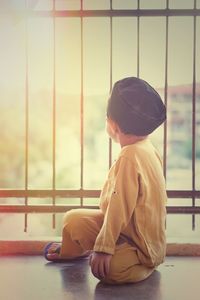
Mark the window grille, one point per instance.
(139, 12)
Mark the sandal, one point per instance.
(46, 252)
(57, 250)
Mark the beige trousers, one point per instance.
(80, 229)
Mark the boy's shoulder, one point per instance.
(140, 153)
(128, 155)
(138, 149)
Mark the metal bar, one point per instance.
(82, 110)
(54, 119)
(113, 13)
(82, 193)
(64, 208)
(39, 209)
(183, 210)
(194, 116)
(183, 194)
(49, 193)
(26, 120)
(165, 99)
(138, 41)
(111, 5)
(165, 92)
(111, 78)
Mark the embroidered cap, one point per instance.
(136, 106)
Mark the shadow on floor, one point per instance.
(77, 281)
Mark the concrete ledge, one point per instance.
(22, 247)
(185, 249)
(33, 247)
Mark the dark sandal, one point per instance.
(46, 249)
(48, 246)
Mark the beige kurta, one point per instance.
(133, 202)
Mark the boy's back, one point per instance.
(134, 198)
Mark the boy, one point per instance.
(125, 238)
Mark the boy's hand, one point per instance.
(100, 264)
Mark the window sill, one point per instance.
(35, 247)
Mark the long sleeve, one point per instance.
(119, 201)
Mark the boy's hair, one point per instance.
(136, 107)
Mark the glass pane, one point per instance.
(91, 201)
(197, 226)
(41, 4)
(179, 174)
(124, 48)
(179, 202)
(198, 3)
(12, 201)
(153, 4)
(179, 227)
(12, 226)
(68, 81)
(181, 3)
(96, 90)
(39, 201)
(41, 225)
(12, 5)
(68, 201)
(40, 102)
(67, 4)
(124, 4)
(152, 51)
(12, 102)
(198, 106)
(152, 62)
(96, 4)
(124, 55)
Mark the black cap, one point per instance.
(136, 106)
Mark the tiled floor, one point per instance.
(32, 278)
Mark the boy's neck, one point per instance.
(129, 139)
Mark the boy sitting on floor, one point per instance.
(125, 237)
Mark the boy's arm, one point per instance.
(121, 204)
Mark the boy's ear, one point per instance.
(113, 125)
(116, 127)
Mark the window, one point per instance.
(58, 62)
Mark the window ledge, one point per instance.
(36, 247)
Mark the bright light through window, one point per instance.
(70, 64)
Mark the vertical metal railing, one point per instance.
(81, 193)
(26, 117)
(54, 118)
(194, 116)
(166, 91)
(82, 110)
(111, 75)
(138, 40)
